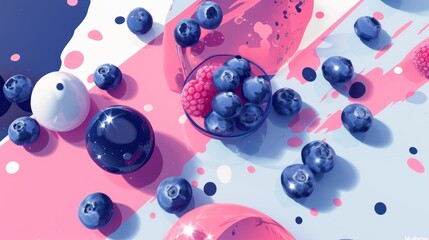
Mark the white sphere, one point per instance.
(60, 101)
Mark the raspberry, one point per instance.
(197, 96)
(421, 60)
(205, 73)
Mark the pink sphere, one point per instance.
(225, 222)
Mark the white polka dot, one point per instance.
(182, 119)
(12, 167)
(397, 70)
(148, 107)
(224, 174)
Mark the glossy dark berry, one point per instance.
(287, 102)
(297, 181)
(24, 131)
(337, 70)
(250, 116)
(107, 76)
(367, 28)
(18, 88)
(187, 32)
(174, 194)
(218, 125)
(256, 90)
(209, 15)
(356, 118)
(227, 104)
(225, 79)
(139, 21)
(96, 210)
(319, 156)
(241, 66)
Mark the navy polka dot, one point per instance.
(298, 220)
(413, 150)
(357, 90)
(380, 208)
(119, 20)
(309, 74)
(210, 189)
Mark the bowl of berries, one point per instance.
(227, 97)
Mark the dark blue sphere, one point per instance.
(187, 32)
(241, 66)
(297, 181)
(367, 28)
(139, 21)
(120, 140)
(356, 118)
(218, 125)
(250, 116)
(225, 79)
(319, 156)
(287, 102)
(256, 90)
(96, 210)
(227, 104)
(107, 76)
(18, 88)
(174, 194)
(337, 70)
(209, 15)
(24, 131)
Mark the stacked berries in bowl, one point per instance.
(227, 97)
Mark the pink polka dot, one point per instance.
(15, 57)
(314, 212)
(416, 165)
(72, 3)
(194, 183)
(338, 202)
(378, 15)
(95, 35)
(251, 169)
(90, 78)
(152, 215)
(73, 59)
(335, 94)
(320, 15)
(294, 142)
(201, 171)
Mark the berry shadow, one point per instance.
(379, 135)
(417, 97)
(4, 103)
(348, 90)
(150, 37)
(343, 177)
(199, 198)
(117, 229)
(127, 90)
(383, 40)
(45, 144)
(25, 106)
(415, 6)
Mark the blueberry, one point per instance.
(256, 90)
(249, 117)
(240, 65)
(24, 131)
(174, 194)
(356, 118)
(139, 21)
(209, 15)
(216, 124)
(107, 76)
(367, 28)
(319, 156)
(227, 104)
(225, 79)
(337, 70)
(297, 181)
(18, 88)
(95, 210)
(120, 140)
(187, 32)
(287, 102)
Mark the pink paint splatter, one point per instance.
(15, 57)
(95, 35)
(90, 78)
(201, 171)
(338, 202)
(294, 142)
(251, 169)
(314, 125)
(194, 183)
(378, 15)
(401, 29)
(152, 215)
(320, 15)
(314, 212)
(326, 95)
(302, 120)
(73, 59)
(332, 123)
(264, 30)
(383, 51)
(335, 94)
(416, 165)
(72, 3)
(423, 29)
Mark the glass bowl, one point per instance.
(256, 70)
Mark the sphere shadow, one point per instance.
(344, 88)
(379, 135)
(199, 198)
(25, 106)
(4, 103)
(126, 90)
(45, 144)
(150, 37)
(415, 6)
(119, 230)
(383, 40)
